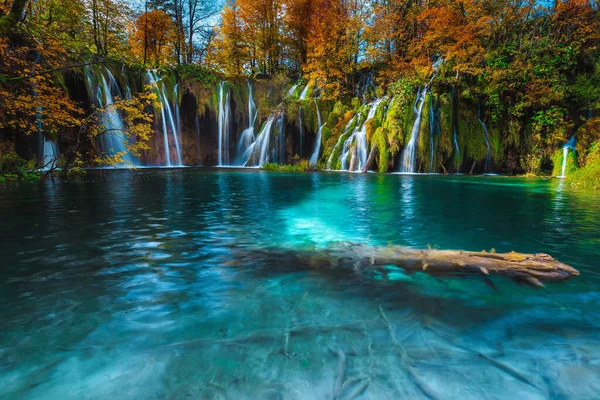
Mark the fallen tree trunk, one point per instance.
(529, 268)
(370, 159)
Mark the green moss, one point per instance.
(299, 167)
(13, 167)
(423, 143)
(326, 134)
(589, 174)
(381, 139)
(399, 119)
(337, 151)
(444, 143)
(471, 137)
(557, 163)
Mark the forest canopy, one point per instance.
(529, 61)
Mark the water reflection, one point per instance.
(157, 286)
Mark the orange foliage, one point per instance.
(34, 93)
(151, 38)
(455, 31)
(333, 45)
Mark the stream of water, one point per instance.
(156, 284)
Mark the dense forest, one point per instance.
(470, 86)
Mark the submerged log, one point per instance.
(530, 268)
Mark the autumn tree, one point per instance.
(28, 94)
(199, 13)
(296, 21)
(454, 31)
(334, 43)
(391, 30)
(251, 33)
(192, 26)
(151, 38)
(230, 51)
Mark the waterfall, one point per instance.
(128, 95)
(112, 139)
(359, 138)
(224, 114)
(252, 150)
(455, 143)
(341, 139)
(301, 128)
(171, 122)
(292, 90)
(47, 149)
(247, 137)
(486, 136)
(315, 155)
(281, 139)
(431, 132)
(569, 145)
(167, 106)
(304, 92)
(257, 154)
(408, 155)
(176, 103)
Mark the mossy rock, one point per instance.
(557, 162)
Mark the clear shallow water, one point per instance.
(143, 284)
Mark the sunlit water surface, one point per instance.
(144, 284)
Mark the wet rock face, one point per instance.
(454, 135)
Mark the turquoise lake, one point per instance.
(153, 284)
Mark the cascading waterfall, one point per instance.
(252, 150)
(128, 95)
(341, 140)
(112, 140)
(170, 121)
(292, 90)
(176, 103)
(455, 143)
(280, 139)
(408, 155)
(569, 145)
(48, 153)
(224, 117)
(315, 154)
(257, 154)
(247, 137)
(304, 92)
(359, 139)
(486, 136)
(408, 164)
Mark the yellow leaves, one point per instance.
(152, 36)
(137, 127)
(27, 102)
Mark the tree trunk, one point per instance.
(8, 22)
(371, 158)
(353, 159)
(529, 268)
(472, 168)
